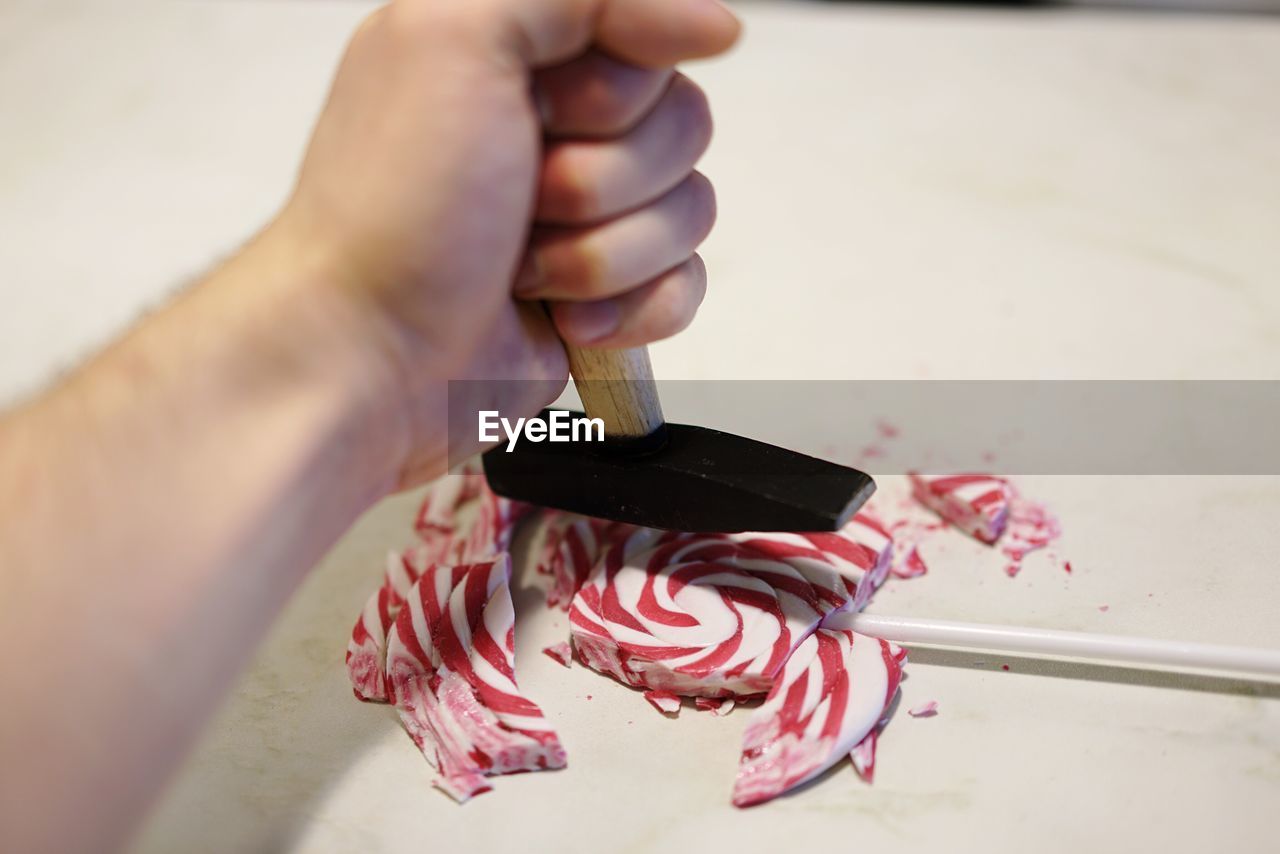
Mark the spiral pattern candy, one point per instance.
(460, 521)
(862, 551)
(451, 674)
(826, 703)
(715, 615)
(366, 651)
(573, 546)
(977, 504)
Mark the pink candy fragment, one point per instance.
(1031, 527)
(664, 701)
(977, 504)
(912, 565)
(560, 653)
(863, 755)
(715, 705)
(989, 509)
(924, 710)
(451, 675)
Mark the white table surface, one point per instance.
(905, 193)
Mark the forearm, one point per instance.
(155, 511)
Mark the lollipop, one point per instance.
(715, 615)
(451, 675)
(460, 521)
(572, 547)
(827, 701)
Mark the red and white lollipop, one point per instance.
(715, 615)
(450, 668)
(573, 546)
(828, 700)
(460, 521)
(366, 651)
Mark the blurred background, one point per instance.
(906, 191)
(1114, 171)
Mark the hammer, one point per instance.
(672, 476)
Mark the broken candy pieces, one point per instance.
(826, 705)
(698, 615)
(664, 701)
(912, 566)
(460, 521)
(573, 546)
(716, 706)
(561, 653)
(437, 637)
(977, 504)
(924, 710)
(987, 508)
(366, 651)
(450, 672)
(716, 615)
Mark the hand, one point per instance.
(475, 158)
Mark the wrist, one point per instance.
(319, 341)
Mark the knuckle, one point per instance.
(419, 19)
(579, 266)
(697, 273)
(568, 192)
(680, 298)
(695, 109)
(619, 95)
(701, 204)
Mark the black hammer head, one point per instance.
(688, 479)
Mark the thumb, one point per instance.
(649, 33)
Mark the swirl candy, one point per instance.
(862, 552)
(366, 651)
(460, 521)
(863, 755)
(713, 615)
(572, 548)
(450, 670)
(825, 705)
(977, 504)
(716, 617)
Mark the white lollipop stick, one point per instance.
(1156, 654)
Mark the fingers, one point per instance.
(601, 261)
(583, 182)
(595, 96)
(654, 33)
(655, 310)
(649, 33)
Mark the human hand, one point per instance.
(476, 157)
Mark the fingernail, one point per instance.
(528, 278)
(589, 322)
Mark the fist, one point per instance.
(478, 159)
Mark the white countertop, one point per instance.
(905, 193)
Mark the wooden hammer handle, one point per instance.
(617, 387)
